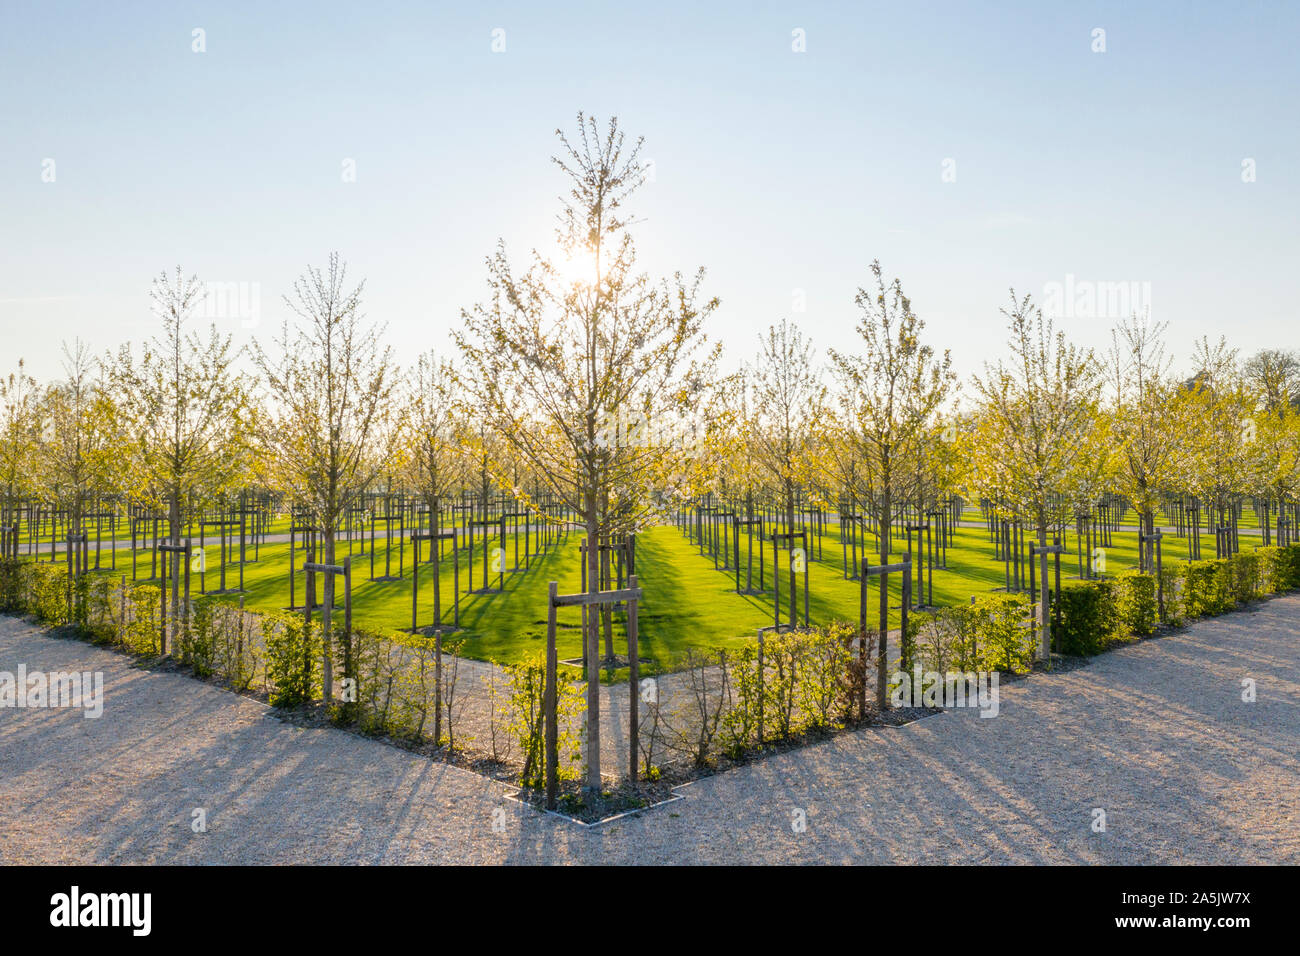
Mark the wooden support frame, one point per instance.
(185, 549)
(632, 596)
(1043, 593)
(437, 627)
(311, 568)
(881, 571)
(775, 538)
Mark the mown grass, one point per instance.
(688, 603)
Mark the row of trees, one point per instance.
(1043, 433)
(584, 378)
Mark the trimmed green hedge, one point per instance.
(991, 633)
(1088, 616)
(1095, 614)
(1136, 605)
(1092, 615)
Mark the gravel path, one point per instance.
(1155, 734)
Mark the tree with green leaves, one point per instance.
(1275, 375)
(1038, 413)
(788, 400)
(1040, 408)
(1146, 419)
(583, 364)
(890, 397)
(19, 440)
(81, 438)
(328, 383)
(1220, 430)
(184, 405)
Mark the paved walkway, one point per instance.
(1155, 734)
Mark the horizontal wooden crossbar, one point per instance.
(600, 597)
(328, 568)
(888, 568)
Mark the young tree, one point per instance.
(1145, 419)
(82, 437)
(433, 423)
(184, 407)
(329, 382)
(1039, 410)
(788, 401)
(1275, 375)
(1040, 407)
(19, 440)
(1277, 453)
(1221, 431)
(890, 397)
(582, 373)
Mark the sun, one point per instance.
(577, 267)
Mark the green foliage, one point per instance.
(781, 672)
(1203, 588)
(396, 683)
(824, 697)
(989, 634)
(139, 628)
(1272, 569)
(45, 592)
(1287, 569)
(998, 626)
(390, 698)
(196, 643)
(1137, 609)
(526, 719)
(810, 682)
(743, 715)
(1173, 579)
(11, 590)
(1243, 577)
(292, 651)
(1094, 614)
(1209, 588)
(1088, 617)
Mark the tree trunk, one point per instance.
(327, 655)
(174, 557)
(789, 527)
(592, 638)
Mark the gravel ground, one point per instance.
(1155, 734)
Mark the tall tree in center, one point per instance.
(585, 365)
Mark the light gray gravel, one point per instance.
(1156, 734)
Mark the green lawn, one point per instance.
(688, 603)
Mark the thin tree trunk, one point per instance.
(593, 650)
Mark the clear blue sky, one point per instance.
(776, 170)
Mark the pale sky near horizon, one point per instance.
(784, 173)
